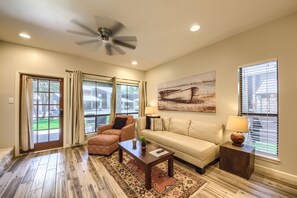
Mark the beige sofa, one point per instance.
(192, 141)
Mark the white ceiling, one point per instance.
(161, 26)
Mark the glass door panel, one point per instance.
(47, 113)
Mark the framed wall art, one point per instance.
(194, 93)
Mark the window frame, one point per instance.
(264, 115)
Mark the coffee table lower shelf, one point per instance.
(146, 159)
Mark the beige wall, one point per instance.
(17, 58)
(276, 39)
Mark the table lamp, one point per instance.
(238, 125)
(149, 111)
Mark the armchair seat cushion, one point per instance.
(112, 132)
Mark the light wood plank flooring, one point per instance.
(71, 172)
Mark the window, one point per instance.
(258, 98)
(97, 104)
(127, 100)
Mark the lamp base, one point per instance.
(239, 145)
(237, 138)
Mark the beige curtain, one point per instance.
(26, 132)
(113, 99)
(142, 97)
(76, 108)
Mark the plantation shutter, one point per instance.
(258, 98)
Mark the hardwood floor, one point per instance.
(71, 172)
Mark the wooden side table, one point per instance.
(237, 160)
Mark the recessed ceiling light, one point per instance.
(24, 35)
(134, 62)
(195, 28)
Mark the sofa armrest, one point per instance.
(102, 128)
(128, 132)
(141, 124)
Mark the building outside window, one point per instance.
(258, 98)
(127, 100)
(97, 98)
(97, 104)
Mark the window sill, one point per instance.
(272, 160)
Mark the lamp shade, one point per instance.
(238, 124)
(149, 110)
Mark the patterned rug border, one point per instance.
(131, 193)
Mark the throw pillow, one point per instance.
(119, 123)
(148, 121)
(156, 124)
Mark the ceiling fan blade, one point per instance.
(117, 27)
(97, 46)
(123, 44)
(103, 22)
(85, 27)
(87, 42)
(108, 50)
(80, 33)
(118, 49)
(125, 38)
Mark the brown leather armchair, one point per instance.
(126, 133)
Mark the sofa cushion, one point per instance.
(156, 124)
(195, 147)
(206, 131)
(166, 122)
(179, 126)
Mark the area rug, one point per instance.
(130, 177)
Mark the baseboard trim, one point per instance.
(276, 174)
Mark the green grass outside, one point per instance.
(270, 147)
(43, 124)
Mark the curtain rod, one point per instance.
(70, 71)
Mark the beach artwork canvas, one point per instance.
(194, 93)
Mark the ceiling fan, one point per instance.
(106, 36)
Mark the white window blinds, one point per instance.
(258, 100)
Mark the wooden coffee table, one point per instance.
(146, 159)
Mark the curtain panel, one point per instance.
(76, 108)
(26, 128)
(142, 97)
(113, 100)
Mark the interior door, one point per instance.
(47, 112)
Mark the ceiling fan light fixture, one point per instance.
(195, 28)
(134, 62)
(24, 35)
(106, 36)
